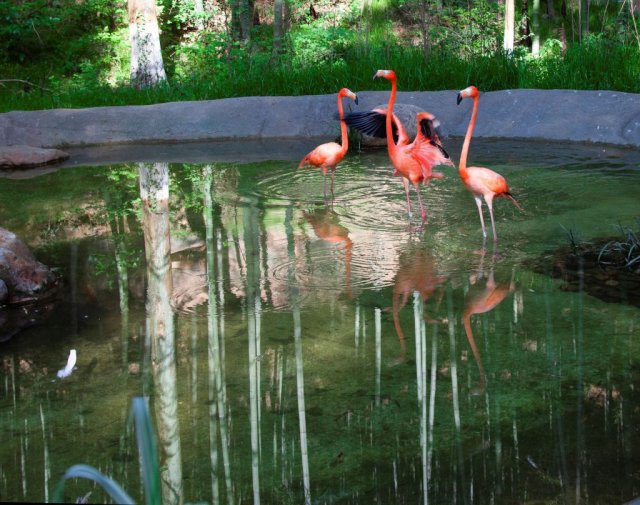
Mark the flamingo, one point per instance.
(413, 161)
(417, 272)
(480, 301)
(480, 181)
(327, 227)
(327, 156)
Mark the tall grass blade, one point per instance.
(111, 487)
(147, 450)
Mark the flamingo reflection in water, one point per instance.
(483, 297)
(326, 225)
(417, 273)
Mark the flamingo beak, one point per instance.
(459, 99)
(355, 99)
(375, 75)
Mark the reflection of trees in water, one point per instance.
(154, 193)
(218, 422)
(468, 436)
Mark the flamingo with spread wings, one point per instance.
(412, 161)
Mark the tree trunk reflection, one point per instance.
(154, 192)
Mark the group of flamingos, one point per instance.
(414, 161)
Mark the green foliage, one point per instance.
(58, 35)
(471, 30)
(77, 55)
(313, 44)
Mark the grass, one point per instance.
(624, 252)
(594, 65)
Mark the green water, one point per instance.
(320, 341)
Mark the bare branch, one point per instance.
(2, 81)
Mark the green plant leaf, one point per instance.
(111, 487)
(147, 449)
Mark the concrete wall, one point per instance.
(564, 115)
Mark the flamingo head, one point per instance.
(470, 92)
(387, 74)
(428, 116)
(349, 94)
(430, 127)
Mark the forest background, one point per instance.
(80, 53)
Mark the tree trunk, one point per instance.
(241, 20)
(524, 24)
(584, 18)
(147, 68)
(278, 26)
(509, 25)
(154, 195)
(424, 29)
(198, 9)
(551, 10)
(535, 46)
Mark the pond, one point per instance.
(326, 348)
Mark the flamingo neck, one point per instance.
(392, 100)
(343, 128)
(462, 166)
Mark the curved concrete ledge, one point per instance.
(560, 115)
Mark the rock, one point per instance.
(25, 278)
(23, 156)
(15, 319)
(4, 292)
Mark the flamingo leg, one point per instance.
(333, 171)
(493, 224)
(324, 179)
(422, 211)
(479, 204)
(476, 354)
(405, 183)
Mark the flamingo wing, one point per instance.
(428, 151)
(373, 123)
(428, 131)
(325, 155)
(490, 180)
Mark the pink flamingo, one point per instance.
(478, 301)
(480, 181)
(327, 156)
(413, 161)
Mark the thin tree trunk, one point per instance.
(246, 17)
(524, 25)
(147, 68)
(551, 11)
(509, 25)
(424, 28)
(584, 19)
(278, 26)
(198, 9)
(535, 46)
(154, 194)
(236, 29)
